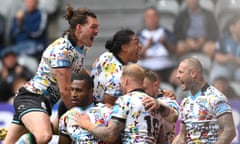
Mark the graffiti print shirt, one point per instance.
(141, 127)
(60, 54)
(200, 112)
(99, 115)
(107, 72)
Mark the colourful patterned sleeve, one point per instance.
(121, 107)
(107, 114)
(220, 105)
(173, 104)
(182, 105)
(60, 55)
(112, 71)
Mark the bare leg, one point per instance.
(39, 124)
(14, 133)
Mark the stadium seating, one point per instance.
(168, 10)
(225, 9)
(207, 4)
(30, 62)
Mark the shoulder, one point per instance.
(135, 96)
(124, 99)
(109, 62)
(61, 43)
(215, 95)
(106, 55)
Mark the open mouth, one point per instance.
(182, 82)
(74, 101)
(92, 38)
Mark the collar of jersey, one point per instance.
(79, 49)
(137, 89)
(193, 97)
(87, 107)
(199, 93)
(119, 59)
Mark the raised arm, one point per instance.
(228, 129)
(108, 134)
(63, 76)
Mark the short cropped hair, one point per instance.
(85, 77)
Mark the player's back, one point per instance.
(140, 125)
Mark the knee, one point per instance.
(43, 138)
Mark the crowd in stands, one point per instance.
(195, 32)
(21, 46)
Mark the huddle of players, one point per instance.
(134, 118)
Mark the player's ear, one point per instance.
(78, 28)
(156, 84)
(194, 73)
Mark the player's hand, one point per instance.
(179, 140)
(83, 121)
(150, 103)
(169, 94)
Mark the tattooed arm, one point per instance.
(228, 129)
(109, 134)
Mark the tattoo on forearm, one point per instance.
(165, 112)
(227, 125)
(111, 133)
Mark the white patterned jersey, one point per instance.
(199, 114)
(99, 115)
(107, 72)
(61, 53)
(141, 127)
